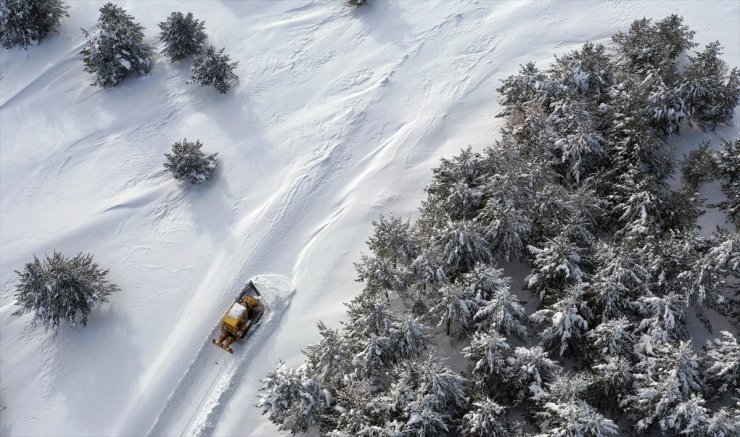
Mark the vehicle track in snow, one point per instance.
(195, 404)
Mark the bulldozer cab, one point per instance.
(245, 311)
(234, 318)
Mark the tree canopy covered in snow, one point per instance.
(116, 48)
(23, 22)
(575, 189)
(60, 289)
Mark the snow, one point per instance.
(236, 310)
(338, 116)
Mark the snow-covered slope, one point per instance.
(338, 117)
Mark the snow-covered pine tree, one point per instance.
(329, 358)
(710, 89)
(728, 166)
(214, 68)
(486, 356)
(528, 372)
(502, 311)
(455, 191)
(486, 418)
(462, 245)
(555, 265)
(430, 397)
(664, 378)
(356, 3)
(409, 338)
(188, 163)
(565, 321)
(455, 309)
(612, 381)
(724, 423)
(699, 167)
(23, 22)
(60, 289)
(575, 141)
(618, 279)
(722, 363)
(688, 417)
(649, 46)
(393, 239)
(664, 319)
(293, 399)
(182, 35)
(116, 49)
(380, 276)
(574, 418)
(613, 338)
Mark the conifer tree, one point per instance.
(214, 68)
(487, 356)
(663, 380)
(60, 289)
(574, 418)
(23, 22)
(528, 371)
(723, 362)
(116, 49)
(182, 35)
(187, 162)
(294, 399)
(485, 419)
(711, 91)
(565, 321)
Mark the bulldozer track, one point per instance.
(205, 388)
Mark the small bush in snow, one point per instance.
(356, 3)
(214, 68)
(117, 48)
(183, 35)
(25, 21)
(188, 163)
(61, 288)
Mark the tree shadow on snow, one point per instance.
(97, 369)
(382, 21)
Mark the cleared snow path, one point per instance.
(195, 404)
(337, 117)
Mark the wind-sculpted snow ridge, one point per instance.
(196, 403)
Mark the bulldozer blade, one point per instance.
(227, 349)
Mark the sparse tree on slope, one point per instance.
(62, 289)
(117, 48)
(188, 163)
(214, 68)
(23, 22)
(183, 35)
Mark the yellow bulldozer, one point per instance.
(241, 316)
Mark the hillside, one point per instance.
(337, 117)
